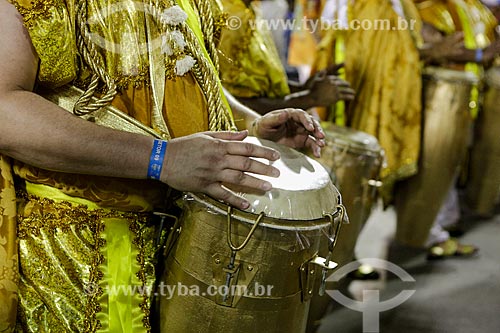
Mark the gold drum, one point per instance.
(254, 270)
(483, 183)
(353, 160)
(446, 133)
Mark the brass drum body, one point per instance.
(279, 234)
(483, 183)
(446, 133)
(353, 160)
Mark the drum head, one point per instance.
(349, 137)
(303, 191)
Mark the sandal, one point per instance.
(364, 272)
(451, 248)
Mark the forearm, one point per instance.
(264, 105)
(38, 132)
(295, 86)
(465, 56)
(243, 115)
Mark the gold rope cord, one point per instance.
(218, 116)
(207, 27)
(86, 47)
(224, 121)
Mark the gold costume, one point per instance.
(249, 63)
(83, 240)
(452, 95)
(471, 17)
(383, 68)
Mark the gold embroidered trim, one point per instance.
(91, 323)
(138, 241)
(61, 215)
(219, 24)
(138, 80)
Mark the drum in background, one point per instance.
(483, 183)
(446, 133)
(353, 160)
(266, 256)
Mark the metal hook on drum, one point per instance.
(231, 270)
(332, 241)
(307, 269)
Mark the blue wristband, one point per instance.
(156, 160)
(479, 55)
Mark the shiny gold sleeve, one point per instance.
(438, 15)
(51, 27)
(249, 63)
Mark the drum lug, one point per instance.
(308, 270)
(240, 276)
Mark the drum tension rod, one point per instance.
(332, 241)
(231, 269)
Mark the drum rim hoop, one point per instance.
(267, 221)
(342, 140)
(356, 148)
(432, 74)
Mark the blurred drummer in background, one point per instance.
(252, 71)
(383, 67)
(494, 6)
(458, 35)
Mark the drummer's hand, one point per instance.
(326, 88)
(448, 47)
(292, 127)
(202, 162)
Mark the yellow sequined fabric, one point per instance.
(387, 85)
(83, 268)
(9, 276)
(249, 63)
